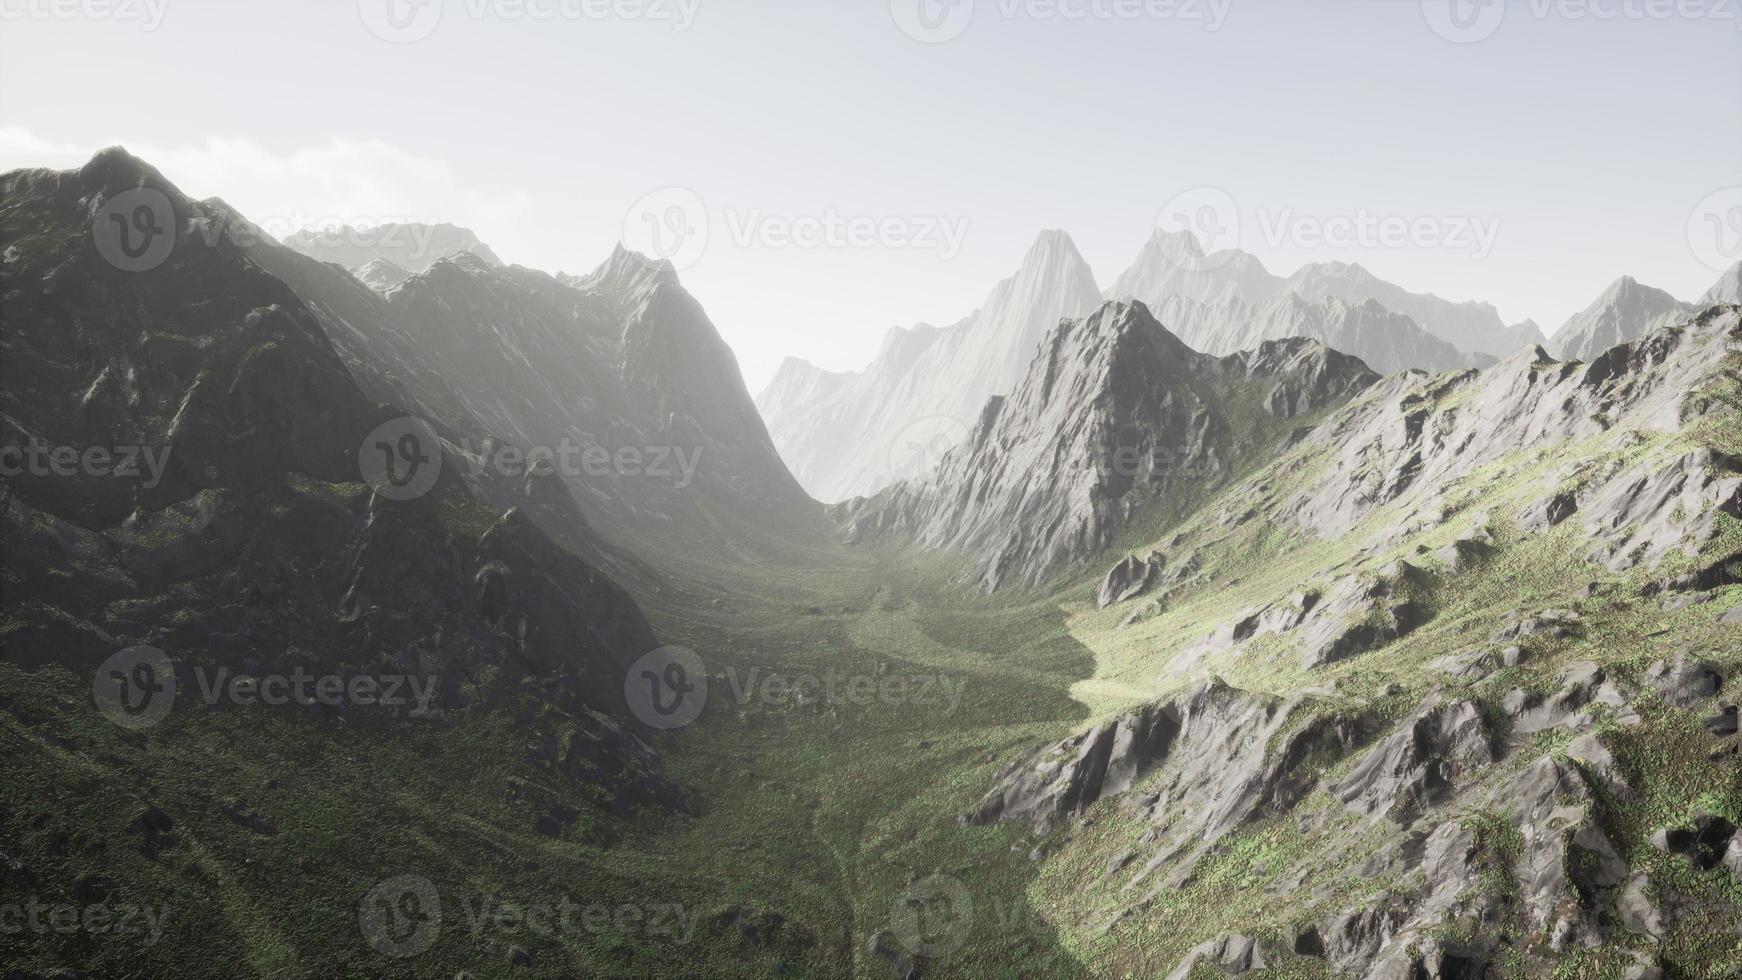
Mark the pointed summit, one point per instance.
(1625, 311)
(927, 378)
(1728, 288)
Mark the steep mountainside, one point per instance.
(1470, 326)
(1114, 414)
(1173, 265)
(412, 247)
(849, 435)
(254, 543)
(618, 377)
(1625, 311)
(1728, 289)
(1386, 341)
(1451, 694)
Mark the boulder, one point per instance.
(1132, 576)
(1638, 911)
(1684, 682)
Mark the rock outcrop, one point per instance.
(1114, 414)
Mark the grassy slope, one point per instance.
(820, 817)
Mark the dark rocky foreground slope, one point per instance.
(1114, 415)
(247, 538)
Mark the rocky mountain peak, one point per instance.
(1626, 310)
(1728, 288)
(1113, 413)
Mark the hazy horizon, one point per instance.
(928, 167)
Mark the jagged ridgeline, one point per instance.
(248, 540)
(1448, 680)
(1262, 656)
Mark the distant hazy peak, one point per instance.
(1728, 288)
(413, 246)
(1626, 310)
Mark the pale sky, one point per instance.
(1583, 136)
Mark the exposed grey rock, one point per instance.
(1684, 682)
(1386, 341)
(1234, 955)
(1467, 667)
(1567, 858)
(1733, 856)
(1733, 617)
(1555, 624)
(1064, 778)
(1130, 577)
(1644, 513)
(1410, 436)
(1580, 684)
(1358, 614)
(1638, 911)
(1461, 554)
(1588, 750)
(1114, 413)
(1420, 763)
(1548, 512)
(1626, 311)
(850, 434)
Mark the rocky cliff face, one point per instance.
(1385, 341)
(850, 435)
(1114, 414)
(255, 543)
(618, 377)
(1459, 782)
(1626, 311)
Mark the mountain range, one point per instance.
(1168, 638)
